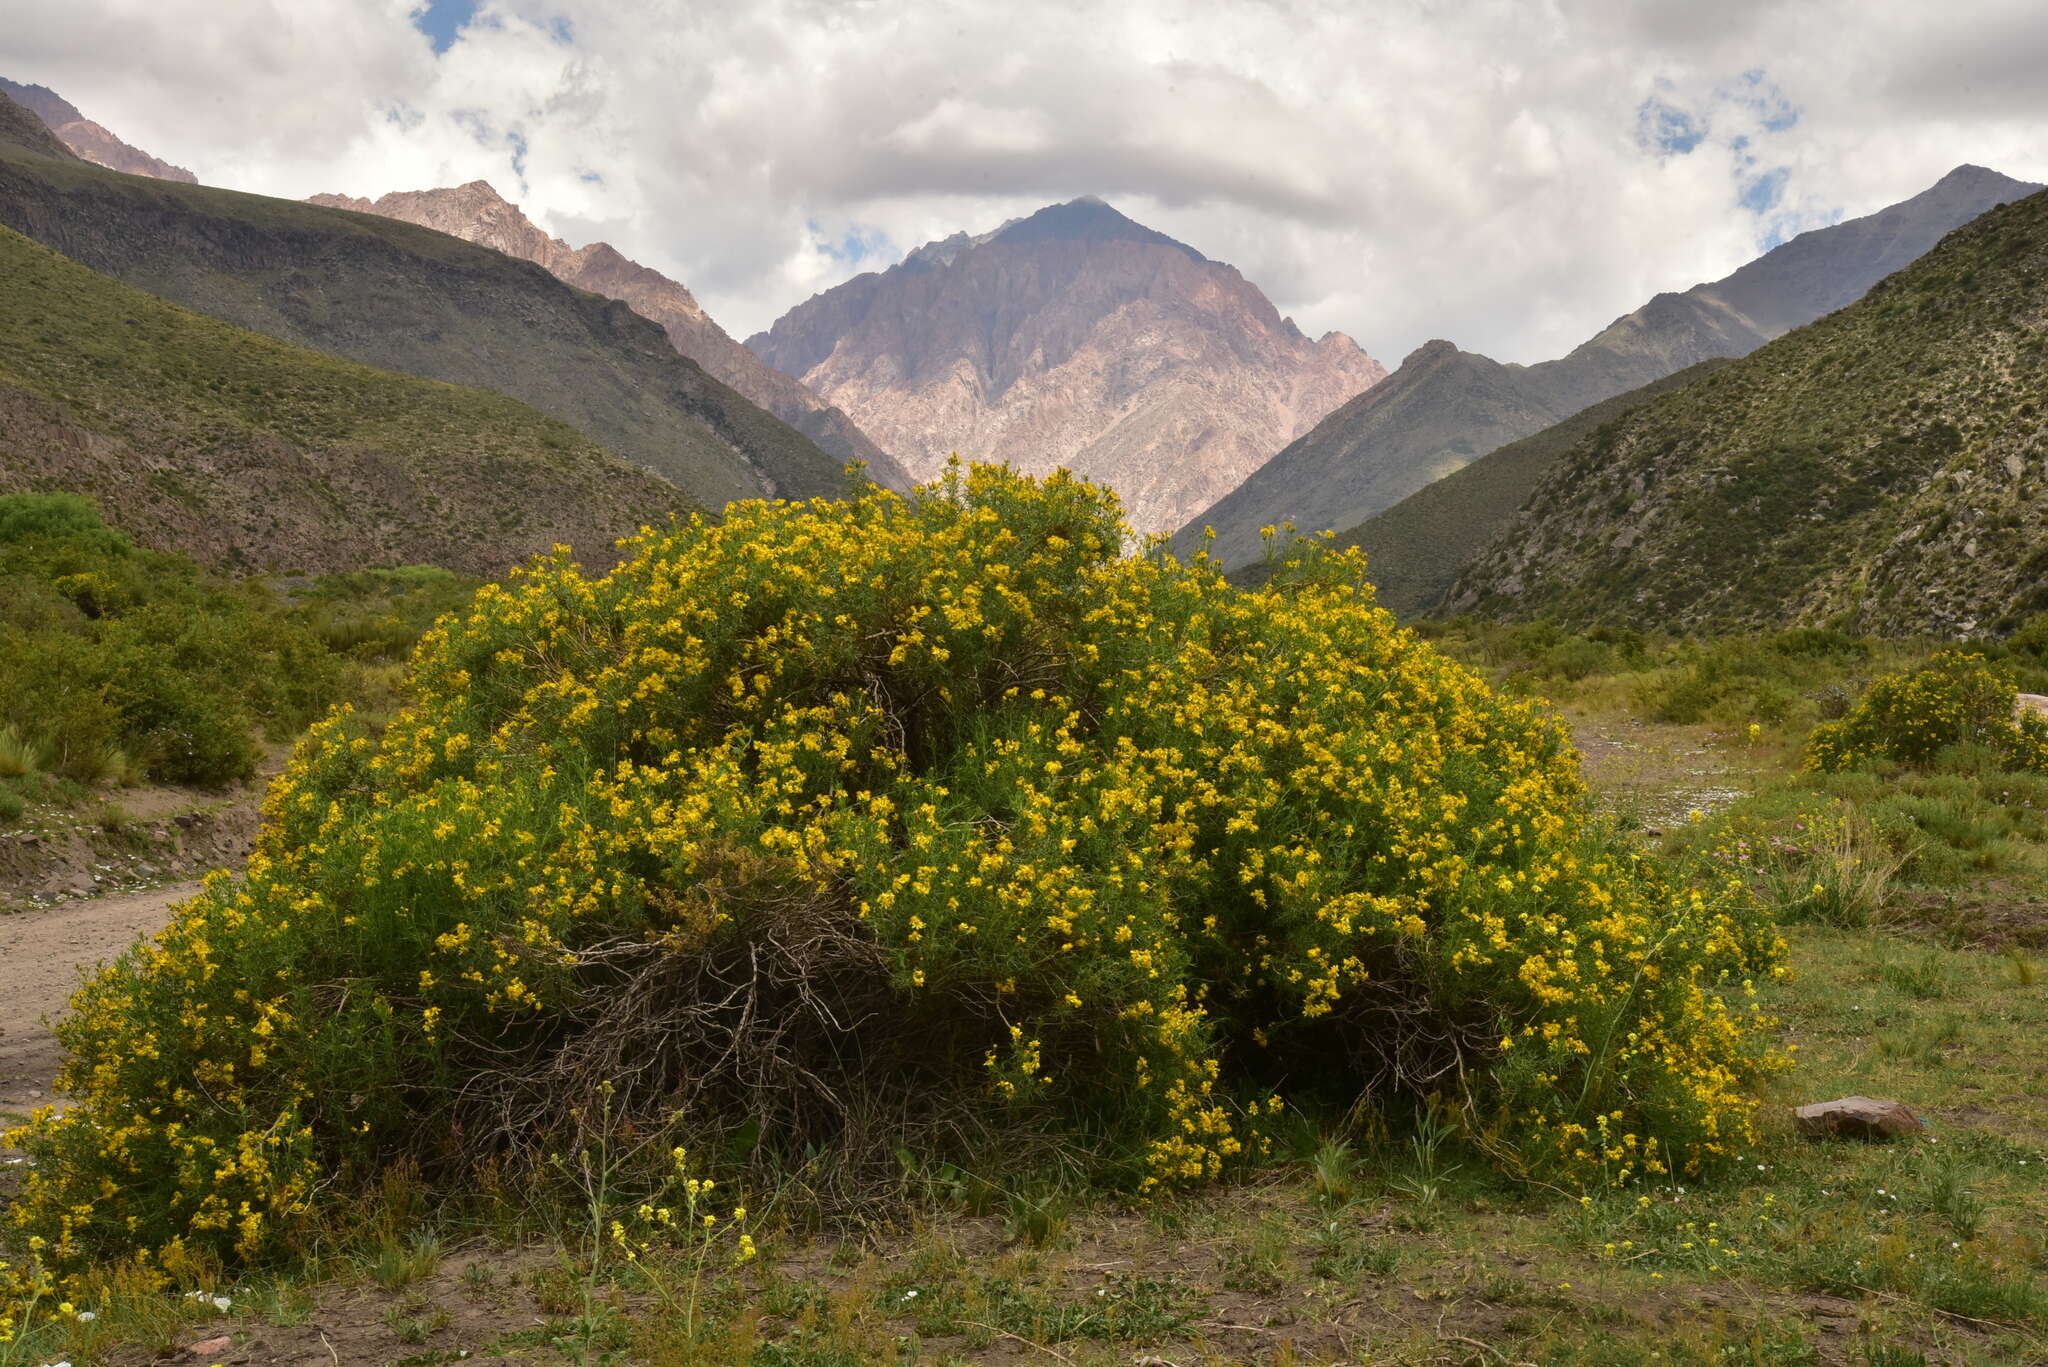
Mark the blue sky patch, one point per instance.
(1756, 90)
(1760, 194)
(853, 246)
(441, 20)
(1667, 129)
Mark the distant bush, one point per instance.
(115, 659)
(925, 822)
(1736, 678)
(112, 657)
(1960, 698)
(2025, 651)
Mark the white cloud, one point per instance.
(1508, 175)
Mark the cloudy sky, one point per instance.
(1508, 175)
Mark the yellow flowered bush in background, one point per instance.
(1066, 840)
(1958, 698)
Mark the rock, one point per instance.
(1074, 337)
(1856, 1117)
(206, 1348)
(2034, 703)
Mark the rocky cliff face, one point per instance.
(478, 213)
(1370, 454)
(1073, 338)
(89, 140)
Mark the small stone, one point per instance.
(206, 1348)
(2036, 703)
(1856, 1117)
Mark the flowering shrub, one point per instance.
(934, 802)
(1958, 697)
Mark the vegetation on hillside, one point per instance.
(119, 664)
(407, 299)
(1880, 470)
(901, 822)
(197, 436)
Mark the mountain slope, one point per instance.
(477, 213)
(1885, 467)
(1415, 549)
(1365, 457)
(1074, 337)
(398, 297)
(88, 140)
(239, 450)
(23, 131)
(1441, 410)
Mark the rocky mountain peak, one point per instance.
(1435, 350)
(1087, 219)
(1072, 337)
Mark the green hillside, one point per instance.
(198, 436)
(1883, 469)
(405, 298)
(19, 127)
(1415, 549)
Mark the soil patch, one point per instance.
(41, 956)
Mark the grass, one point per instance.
(120, 664)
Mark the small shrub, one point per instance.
(851, 826)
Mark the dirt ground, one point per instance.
(41, 955)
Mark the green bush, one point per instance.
(112, 655)
(1959, 698)
(840, 827)
(1746, 678)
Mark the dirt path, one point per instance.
(40, 955)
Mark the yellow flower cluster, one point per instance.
(1958, 697)
(1135, 845)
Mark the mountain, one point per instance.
(88, 140)
(477, 213)
(24, 132)
(404, 298)
(1074, 337)
(1415, 549)
(1885, 468)
(246, 452)
(1375, 451)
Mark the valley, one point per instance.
(1034, 809)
